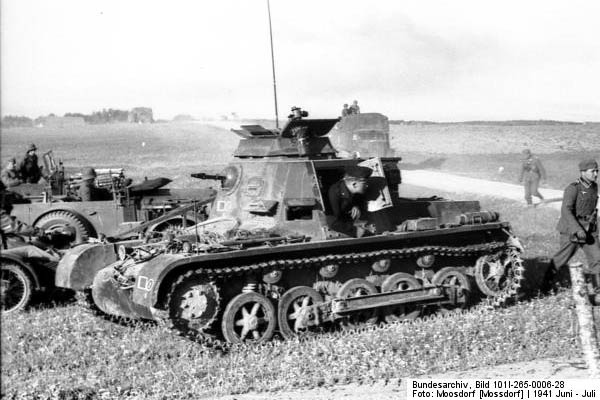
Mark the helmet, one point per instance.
(88, 173)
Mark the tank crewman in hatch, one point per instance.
(578, 220)
(346, 198)
(297, 113)
(532, 171)
(29, 169)
(10, 175)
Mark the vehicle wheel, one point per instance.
(58, 220)
(355, 288)
(399, 282)
(500, 275)
(15, 287)
(456, 285)
(193, 304)
(249, 317)
(294, 312)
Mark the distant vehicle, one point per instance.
(366, 135)
(126, 209)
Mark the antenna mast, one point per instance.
(273, 66)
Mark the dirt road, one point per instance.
(453, 183)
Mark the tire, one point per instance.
(59, 219)
(16, 288)
(257, 325)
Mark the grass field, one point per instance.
(63, 352)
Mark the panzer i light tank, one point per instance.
(267, 261)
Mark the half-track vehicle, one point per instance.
(267, 261)
(122, 210)
(366, 134)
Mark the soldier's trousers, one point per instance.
(531, 184)
(568, 248)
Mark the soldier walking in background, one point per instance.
(29, 169)
(532, 171)
(87, 189)
(10, 175)
(578, 220)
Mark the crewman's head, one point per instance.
(588, 169)
(345, 105)
(12, 164)
(88, 173)
(31, 149)
(356, 178)
(355, 102)
(526, 153)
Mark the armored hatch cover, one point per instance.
(299, 138)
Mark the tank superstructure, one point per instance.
(267, 261)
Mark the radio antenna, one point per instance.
(273, 66)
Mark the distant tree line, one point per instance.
(14, 121)
(102, 117)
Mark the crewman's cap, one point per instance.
(295, 108)
(588, 164)
(32, 147)
(358, 172)
(527, 152)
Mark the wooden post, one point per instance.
(587, 329)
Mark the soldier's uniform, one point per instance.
(87, 190)
(10, 175)
(29, 169)
(578, 214)
(532, 171)
(342, 201)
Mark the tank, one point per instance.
(267, 261)
(366, 135)
(122, 209)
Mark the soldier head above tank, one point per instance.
(297, 113)
(88, 173)
(31, 149)
(526, 153)
(589, 170)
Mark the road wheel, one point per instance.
(455, 284)
(59, 220)
(249, 317)
(398, 282)
(15, 287)
(295, 314)
(355, 288)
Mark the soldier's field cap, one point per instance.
(32, 147)
(584, 165)
(526, 152)
(358, 172)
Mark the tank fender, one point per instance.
(77, 268)
(76, 213)
(150, 279)
(18, 260)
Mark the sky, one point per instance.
(413, 60)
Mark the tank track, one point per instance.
(350, 258)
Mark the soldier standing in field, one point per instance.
(532, 171)
(29, 169)
(578, 220)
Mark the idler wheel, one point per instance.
(249, 317)
(401, 281)
(15, 288)
(456, 285)
(355, 288)
(194, 304)
(295, 313)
